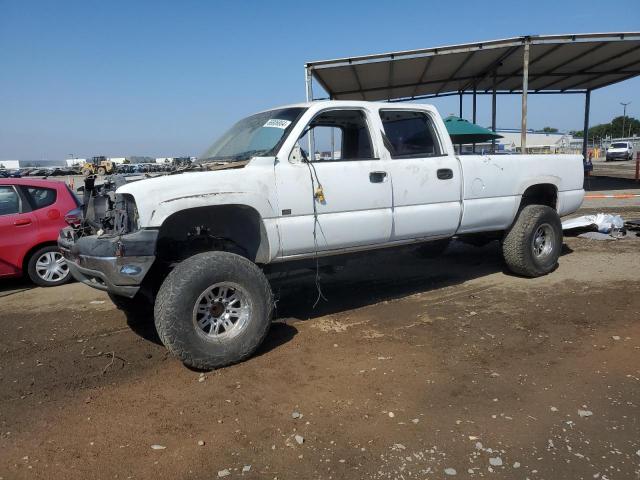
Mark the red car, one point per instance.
(31, 217)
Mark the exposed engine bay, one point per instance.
(104, 212)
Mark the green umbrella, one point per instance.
(463, 131)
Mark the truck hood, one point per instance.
(158, 197)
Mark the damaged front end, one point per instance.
(104, 246)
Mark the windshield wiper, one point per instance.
(238, 157)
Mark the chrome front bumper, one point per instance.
(120, 275)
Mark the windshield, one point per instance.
(259, 134)
(619, 145)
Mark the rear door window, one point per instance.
(411, 134)
(41, 197)
(9, 201)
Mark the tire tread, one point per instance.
(166, 313)
(515, 247)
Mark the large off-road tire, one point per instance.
(47, 267)
(214, 309)
(532, 246)
(101, 171)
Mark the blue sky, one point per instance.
(164, 78)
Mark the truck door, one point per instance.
(426, 181)
(17, 229)
(339, 195)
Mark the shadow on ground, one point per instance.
(382, 276)
(365, 280)
(9, 286)
(596, 183)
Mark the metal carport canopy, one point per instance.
(557, 64)
(574, 63)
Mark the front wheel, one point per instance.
(47, 267)
(532, 246)
(214, 309)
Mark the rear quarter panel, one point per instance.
(493, 186)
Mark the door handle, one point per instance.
(377, 177)
(445, 173)
(22, 221)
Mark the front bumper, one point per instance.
(117, 264)
(616, 155)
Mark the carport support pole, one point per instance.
(474, 104)
(460, 115)
(473, 147)
(309, 91)
(585, 131)
(307, 83)
(525, 88)
(493, 113)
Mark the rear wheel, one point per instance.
(532, 246)
(101, 171)
(214, 309)
(47, 267)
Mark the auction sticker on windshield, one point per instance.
(277, 123)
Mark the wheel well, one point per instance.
(541, 194)
(234, 228)
(27, 256)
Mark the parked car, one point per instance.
(31, 215)
(197, 244)
(619, 151)
(10, 173)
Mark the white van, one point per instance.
(620, 150)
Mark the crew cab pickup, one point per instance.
(299, 182)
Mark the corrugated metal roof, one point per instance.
(558, 63)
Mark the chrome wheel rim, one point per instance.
(52, 267)
(543, 240)
(222, 311)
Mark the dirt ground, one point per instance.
(411, 369)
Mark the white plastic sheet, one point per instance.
(603, 222)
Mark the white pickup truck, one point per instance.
(196, 245)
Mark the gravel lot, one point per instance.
(411, 369)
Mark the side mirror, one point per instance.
(297, 155)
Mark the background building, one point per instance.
(537, 142)
(9, 164)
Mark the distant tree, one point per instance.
(550, 130)
(612, 129)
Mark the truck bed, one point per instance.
(493, 186)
